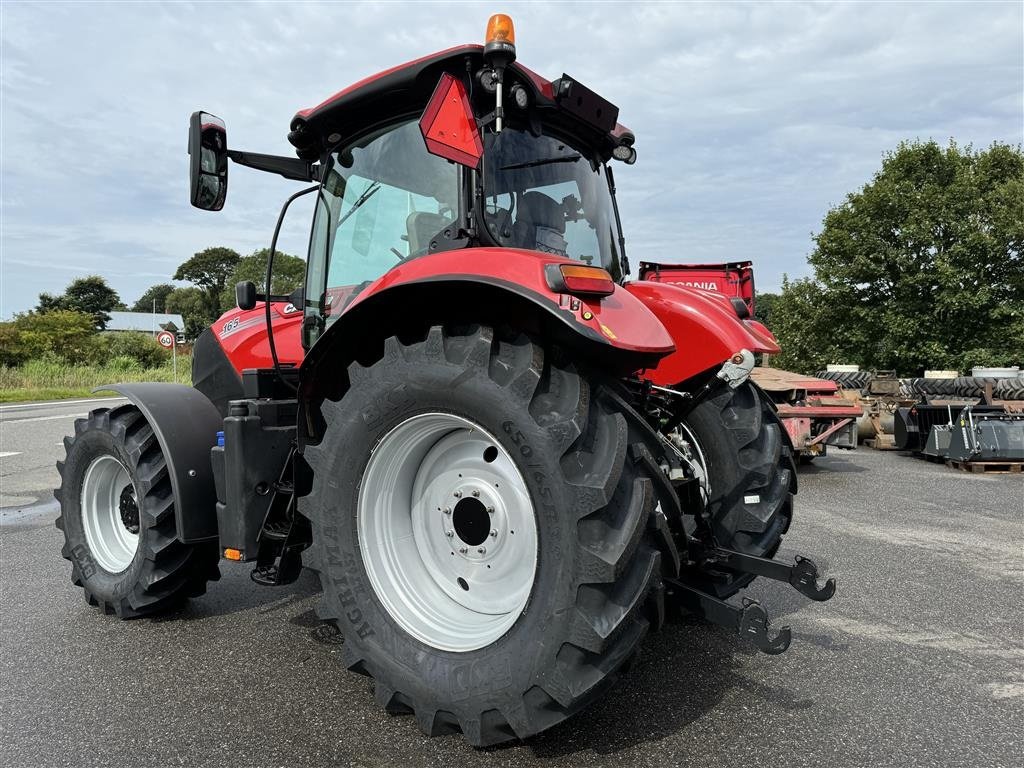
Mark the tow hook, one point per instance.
(802, 575)
(750, 621)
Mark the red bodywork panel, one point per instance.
(735, 279)
(705, 328)
(243, 336)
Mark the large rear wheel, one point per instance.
(486, 531)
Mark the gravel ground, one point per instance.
(917, 661)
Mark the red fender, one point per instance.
(619, 319)
(704, 327)
(432, 285)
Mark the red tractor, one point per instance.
(506, 461)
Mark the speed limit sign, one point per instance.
(166, 339)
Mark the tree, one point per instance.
(921, 268)
(90, 295)
(763, 305)
(193, 304)
(155, 293)
(289, 273)
(210, 270)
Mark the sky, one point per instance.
(752, 119)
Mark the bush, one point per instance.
(140, 348)
(62, 333)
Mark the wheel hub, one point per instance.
(129, 510)
(447, 532)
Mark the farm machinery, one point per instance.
(506, 461)
(812, 409)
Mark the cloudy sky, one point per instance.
(752, 119)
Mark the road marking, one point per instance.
(5, 454)
(41, 418)
(58, 403)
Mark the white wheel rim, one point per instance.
(689, 449)
(447, 532)
(110, 514)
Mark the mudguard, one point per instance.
(186, 426)
(492, 285)
(704, 327)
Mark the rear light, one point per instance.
(232, 554)
(579, 279)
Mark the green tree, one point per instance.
(210, 270)
(157, 293)
(289, 272)
(90, 295)
(763, 305)
(921, 268)
(193, 304)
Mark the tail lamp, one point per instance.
(579, 279)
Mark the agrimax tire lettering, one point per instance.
(83, 559)
(376, 413)
(346, 596)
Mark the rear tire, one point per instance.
(117, 515)
(751, 474)
(593, 499)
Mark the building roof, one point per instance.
(144, 321)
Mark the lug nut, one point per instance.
(490, 510)
(447, 510)
(476, 493)
(458, 494)
(482, 550)
(494, 534)
(463, 550)
(449, 534)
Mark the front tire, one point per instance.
(572, 468)
(117, 516)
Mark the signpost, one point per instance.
(166, 340)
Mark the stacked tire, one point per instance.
(846, 379)
(932, 387)
(1010, 389)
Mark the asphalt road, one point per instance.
(918, 660)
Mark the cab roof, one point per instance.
(404, 90)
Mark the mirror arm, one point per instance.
(289, 167)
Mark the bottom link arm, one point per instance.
(749, 621)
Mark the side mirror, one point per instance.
(208, 161)
(245, 294)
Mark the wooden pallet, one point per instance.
(990, 467)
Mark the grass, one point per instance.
(54, 380)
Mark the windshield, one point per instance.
(382, 202)
(541, 194)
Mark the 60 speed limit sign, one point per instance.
(165, 339)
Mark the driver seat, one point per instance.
(422, 226)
